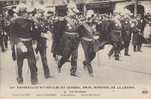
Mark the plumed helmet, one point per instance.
(21, 8)
(72, 8)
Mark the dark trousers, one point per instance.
(43, 54)
(71, 44)
(126, 47)
(2, 43)
(56, 46)
(31, 60)
(6, 41)
(138, 43)
(116, 50)
(137, 47)
(42, 49)
(89, 54)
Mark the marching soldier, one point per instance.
(41, 34)
(59, 28)
(138, 35)
(116, 37)
(2, 34)
(126, 35)
(71, 40)
(21, 38)
(88, 42)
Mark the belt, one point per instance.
(116, 30)
(25, 39)
(74, 34)
(90, 39)
(87, 39)
(71, 33)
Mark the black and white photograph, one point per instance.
(75, 49)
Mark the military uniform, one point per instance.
(57, 46)
(137, 36)
(88, 44)
(2, 35)
(126, 35)
(116, 38)
(41, 34)
(71, 42)
(21, 37)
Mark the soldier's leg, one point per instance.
(88, 62)
(66, 53)
(89, 55)
(139, 47)
(85, 47)
(13, 52)
(32, 64)
(111, 52)
(134, 48)
(74, 58)
(53, 48)
(20, 58)
(126, 48)
(117, 51)
(6, 41)
(139, 43)
(44, 62)
(2, 43)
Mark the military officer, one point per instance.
(126, 35)
(71, 40)
(2, 34)
(88, 42)
(116, 36)
(21, 40)
(41, 34)
(138, 35)
(58, 30)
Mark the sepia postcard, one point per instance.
(80, 49)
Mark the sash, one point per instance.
(70, 21)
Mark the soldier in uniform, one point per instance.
(59, 28)
(41, 35)
(1, 31)
(71, 40)
(116, 37)
(21, 39)
(87, 42)
(126, 35)
(2, 34)
(6, 32)
(138, 35)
